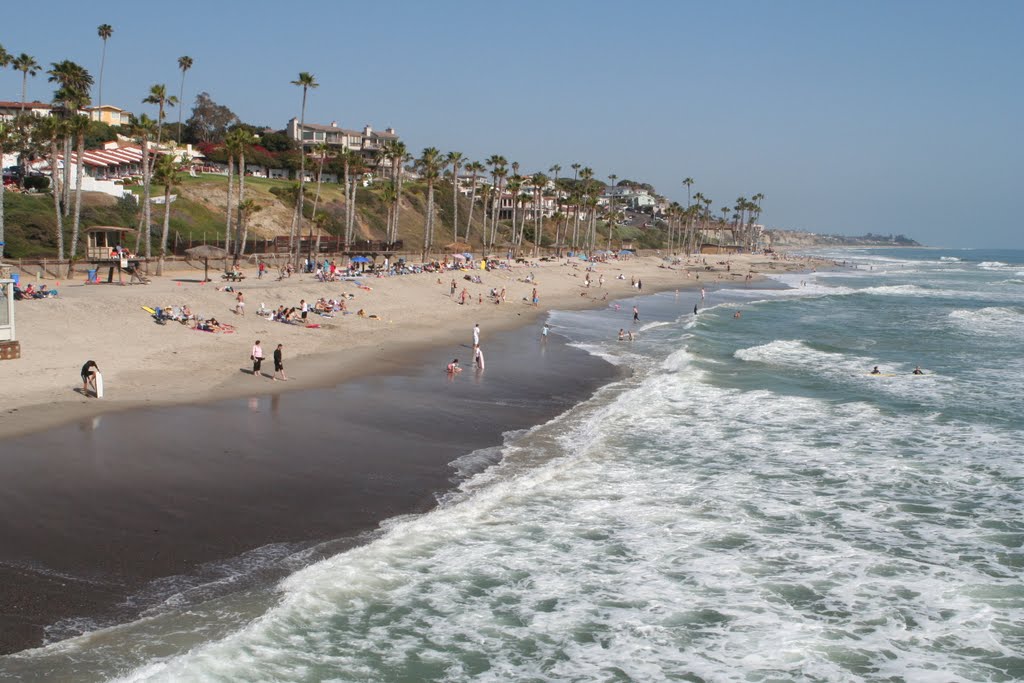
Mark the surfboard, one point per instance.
(99, 385)
(149, 310)
(881, 374)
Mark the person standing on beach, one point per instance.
(89, 371)
(476, 334)
(279, 364)
(536, 299)
(636, 314)
(257, 359)
(240, 305)
(260, 268)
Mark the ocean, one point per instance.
(749, 504)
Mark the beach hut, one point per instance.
(206, 252)
(9, 347)
(100, 241)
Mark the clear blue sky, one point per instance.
(850, 117)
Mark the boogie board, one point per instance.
(149, 310)
(99, 385)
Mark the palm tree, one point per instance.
(104, 31)
(515, 183)
(53, 129)
(539, 181)
(396, 151)
(5, 57)
(306, 81)
(28, 66)
(455, 159)
(579, 195)
(429, 164)
(474, 167)
(158, 96)
(166, 173)
(74, 83)
(496, 196)
(243, 140)
(387, 195)
(144, 129)
(77, 126)
(322, 151)
(184, 63)
(231, 148)
(245, 210)
(5, 137)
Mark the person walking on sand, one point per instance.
(261, 267)
(256, 356)
(279, 364)
(240, 305)
(451, 294)
(476, 334)
(536, 299)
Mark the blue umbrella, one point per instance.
(360, 259)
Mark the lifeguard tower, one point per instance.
(10, 348)
(101, 244)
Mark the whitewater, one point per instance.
(749, 504)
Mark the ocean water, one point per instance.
(749, 505)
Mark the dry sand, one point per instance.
(144, 363)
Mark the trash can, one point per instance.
(92, 276)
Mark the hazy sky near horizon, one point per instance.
(889, 117)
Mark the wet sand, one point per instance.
(93, 512)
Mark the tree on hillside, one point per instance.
(245, 210)
(28, 66)
(455, 159)
(5, 140)
(429, 165)
(167, 173)
(398, 154)
(231, 148)
(143, 130)
(184, 63)
(474, 167)
(52, 129)
(323, 151)
(158, 96)
(243, 141)
(209, 121)
(104, 31)
(306, 81)
(78, 125)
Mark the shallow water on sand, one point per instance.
(749, 505)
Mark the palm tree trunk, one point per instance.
(66, 196)
(352, 209)
(79, 172)
(231, 187)
(239, 253)
(55, 178)
(455, 203)
(472, 204)
(166, 229)
(316, 201)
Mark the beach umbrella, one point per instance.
(625, 252)
(206, 252)
(458, 257)
(360, 259)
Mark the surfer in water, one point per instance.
(918, 370)
(876, 371)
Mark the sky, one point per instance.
(850, 117)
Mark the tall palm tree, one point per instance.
(245, 210)
(474, 167)
(579, 195)
(306, 81)
(166, 173)
(455, 160)
(232, 147)
(104, 31)
(539, 181)
(158, 96)
(515, 183)
(28, 66)
(396, 151)
(496, 197)
(243, 140)
(78, 126)
(74, 83)
(5, 139)
(429, 164)
(144, 130)
(184, 63)
(52, 129)
(322, 151)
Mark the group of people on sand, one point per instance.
(256, 356)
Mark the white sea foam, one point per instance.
(991, 320)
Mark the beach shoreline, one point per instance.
(138, 357)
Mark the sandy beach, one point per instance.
(98, 506)
(144, 363)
